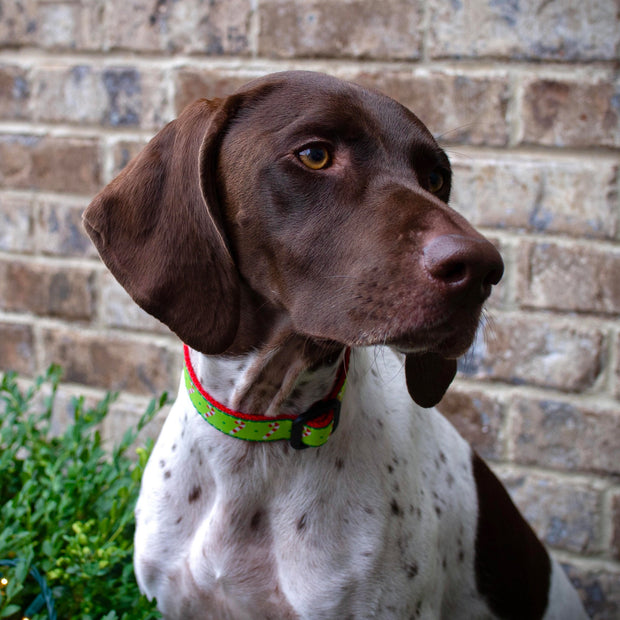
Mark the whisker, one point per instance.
(450, 151)
(446, 133)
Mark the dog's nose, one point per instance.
(465, 264)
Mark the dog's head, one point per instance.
(305, 198)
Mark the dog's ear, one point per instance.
(428, 377)
(158, 227)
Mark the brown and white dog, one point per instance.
(290, 234)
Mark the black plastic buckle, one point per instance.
(319, 408)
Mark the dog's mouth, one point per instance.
(431, 359)
(450, 339)
(450, 347)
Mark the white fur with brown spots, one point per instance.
(378, 523)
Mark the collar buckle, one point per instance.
(320, 408)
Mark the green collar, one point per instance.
(310, 429)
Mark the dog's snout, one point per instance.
(468, 264)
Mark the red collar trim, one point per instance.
(313, 427)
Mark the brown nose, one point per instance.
(467, 265)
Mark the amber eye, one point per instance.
(315, 157)
(435, 181)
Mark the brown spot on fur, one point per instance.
(412, 570)
(301, 524)
(256, 519)
(194, 494)
(396, 509)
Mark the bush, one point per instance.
(66, 510)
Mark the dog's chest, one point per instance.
(377, 523)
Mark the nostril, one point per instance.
(448, 271)
(464, 263)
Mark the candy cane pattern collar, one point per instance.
(310, 429)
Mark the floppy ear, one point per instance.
(428, 377)
(159, 229)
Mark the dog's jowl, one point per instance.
(297, 237)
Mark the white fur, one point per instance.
(563, 598)
(378, 523)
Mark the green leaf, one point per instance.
(9, 611)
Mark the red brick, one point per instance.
(357, 29)
(116, 96)
(565, 515)
(17, 348)
(545, 352)
(19, 22)
(216, 27)
(49, 163)
(59, 230)
(56, 25)
(576, 197)
(14, 92)
(111, 362)
(571, 113)
(16, 223)
(569, 277)
(599, 589)
(532, 29)
(566, 436)
(192, 84)
(46, 290)
(468, 108)
(478, 417)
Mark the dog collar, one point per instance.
(310, 429)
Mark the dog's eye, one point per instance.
(315, 157)
(435, 181)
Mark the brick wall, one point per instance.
(525, 97)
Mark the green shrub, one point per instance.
(66, 509)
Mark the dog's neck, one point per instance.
(283, 376)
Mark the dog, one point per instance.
(296, 236)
